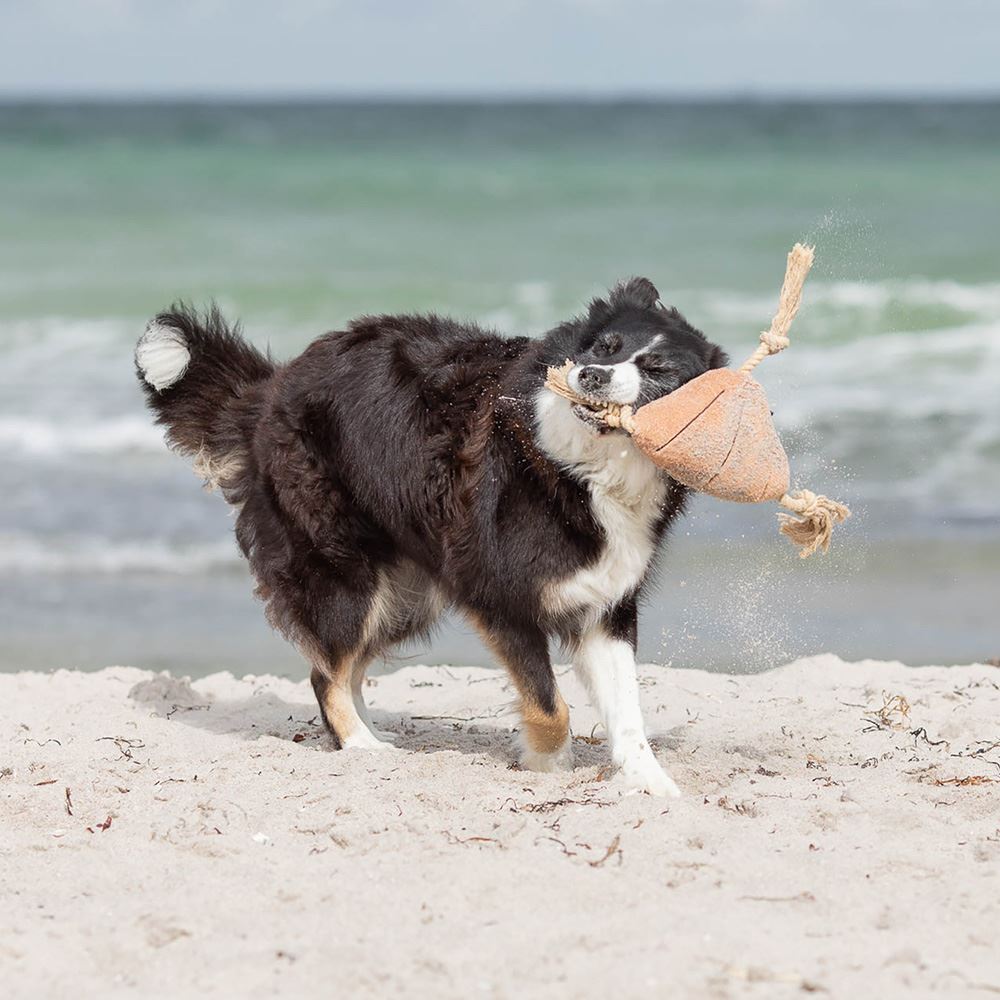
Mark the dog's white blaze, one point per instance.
(162, 356)
(627, 494)
(606, 668)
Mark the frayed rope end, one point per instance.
(811, 522)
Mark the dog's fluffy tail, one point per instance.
(197, 373)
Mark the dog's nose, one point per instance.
(593, 378)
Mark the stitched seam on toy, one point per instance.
(739, 420)
(681, 430)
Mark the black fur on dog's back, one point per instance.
(389, 444)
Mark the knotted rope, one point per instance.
(811, 522)
(800, 259)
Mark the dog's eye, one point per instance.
(609, 344)
(652, 363)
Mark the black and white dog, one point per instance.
(411, 463)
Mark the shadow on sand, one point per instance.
(264, 713)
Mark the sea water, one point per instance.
(297, 217)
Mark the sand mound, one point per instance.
(840, 831)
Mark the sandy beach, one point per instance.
(839, 833)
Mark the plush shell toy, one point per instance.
(715, 433)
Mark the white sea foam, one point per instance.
(894, 381)
(979, 301)
(35, 346)
(53, 439)
(30, 554)
(921, 374)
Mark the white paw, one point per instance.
(559, 760)
(363, 739)
(646, 775)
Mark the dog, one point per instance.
(412, 463)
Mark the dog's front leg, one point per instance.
(604, 660)
(523, 650)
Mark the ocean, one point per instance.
(296, 217)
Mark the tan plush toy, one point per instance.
(715, 433)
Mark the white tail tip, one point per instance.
(162, 356)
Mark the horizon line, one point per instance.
(742, 96)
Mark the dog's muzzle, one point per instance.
(619, 383)
(593, 380)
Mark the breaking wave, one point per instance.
(26, 554)
(890, 393)
(52, 439)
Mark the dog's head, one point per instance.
(630, 348)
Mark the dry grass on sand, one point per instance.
(839, 833)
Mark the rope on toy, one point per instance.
(811, 522)
(812, 518)
(775, 339)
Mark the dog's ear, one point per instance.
(640, 293)
(717, 358)
(598, 313)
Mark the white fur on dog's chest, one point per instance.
(626, 495)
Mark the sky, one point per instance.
(591, 48)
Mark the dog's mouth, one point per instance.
(593, 390)
(591, 418)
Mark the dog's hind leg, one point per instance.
(406, 603)
(333, 683)
(523, 650)
(357, 693)
(335, 633)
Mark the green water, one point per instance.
(312, 213)
(298, 217)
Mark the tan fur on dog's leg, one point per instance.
(544, 738)
(333, 684)
(544, 732)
